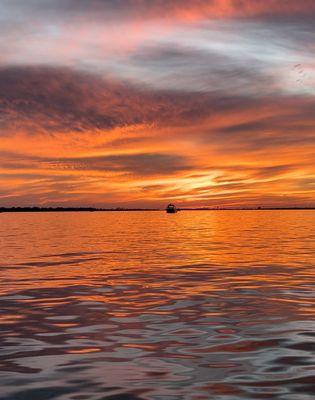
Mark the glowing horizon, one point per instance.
(140, 103)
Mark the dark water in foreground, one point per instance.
(197, 305)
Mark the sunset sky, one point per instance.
(137, 103)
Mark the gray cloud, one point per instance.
(243, 56)
(50, 100)
(185, 68)
(58, 99)
(141, 164)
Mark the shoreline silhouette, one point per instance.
(119, 209)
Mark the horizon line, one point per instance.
(117, 209)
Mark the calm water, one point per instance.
(198, 305)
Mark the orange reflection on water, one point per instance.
(218, 302)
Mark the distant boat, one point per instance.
(171, 209)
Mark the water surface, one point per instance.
(144, 305)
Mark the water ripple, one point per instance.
(148, 307)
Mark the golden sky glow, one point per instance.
(138, 103)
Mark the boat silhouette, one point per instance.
(171, 209)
